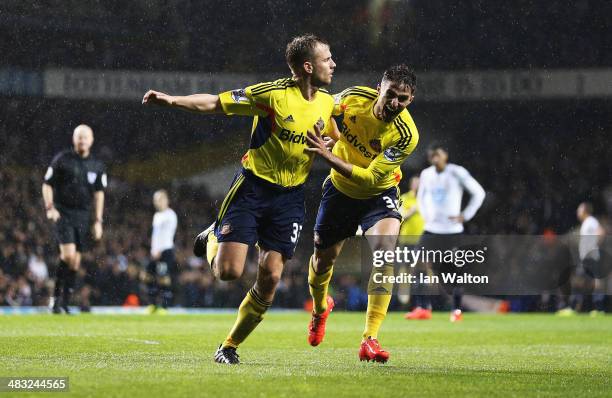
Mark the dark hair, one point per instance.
(437, 145)
(403, 75)
(300, 49)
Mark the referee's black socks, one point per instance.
(59, 280)
(69, 281)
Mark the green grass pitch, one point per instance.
(166, 356)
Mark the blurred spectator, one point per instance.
(531, 187)
(536, 160)
(37, 266)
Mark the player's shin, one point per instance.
(250, 313)
(379, 297)
(318, 284)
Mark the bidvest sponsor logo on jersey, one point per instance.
(297, 137)
(353, 140)
(292, 136)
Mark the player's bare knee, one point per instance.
(272, 279)
(70, 259)
(229, 274)
(228, 271)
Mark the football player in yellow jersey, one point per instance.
(413, 223)
(376, 135)
(265, 202)
(411, 230)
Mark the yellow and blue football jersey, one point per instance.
(375, 148)
(282, 116)
(412, 227)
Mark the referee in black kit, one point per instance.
(74, 179)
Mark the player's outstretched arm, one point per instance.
(200, 103)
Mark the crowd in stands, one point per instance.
(535, 168)
(186, 34)
(114, 268)
(536, 160)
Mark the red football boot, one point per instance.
(316, 327)
(418, 314)
(456, 316)
(370, 351)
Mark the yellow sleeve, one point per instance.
(340, 103)
(253, 100)
(348, 96)
(384, 164)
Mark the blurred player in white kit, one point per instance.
(439, 197)
(162, 268)
(591, 262)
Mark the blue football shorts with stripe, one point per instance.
(339, 215)
(257, 211)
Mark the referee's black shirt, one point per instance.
(75, 179)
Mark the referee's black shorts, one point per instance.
(444, 243)
(165, 266)
(74, 226)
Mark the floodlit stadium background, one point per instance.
(520, 91)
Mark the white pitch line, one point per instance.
(150, 342)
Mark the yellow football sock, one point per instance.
(250, 313)
(379, 297)
(212, 247)
(318, 285)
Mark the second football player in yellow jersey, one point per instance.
(413, 223)
(265, 202)
(376, 135)
(376, 147)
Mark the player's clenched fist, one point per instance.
(157, 97)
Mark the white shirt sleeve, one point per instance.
(477, 193)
